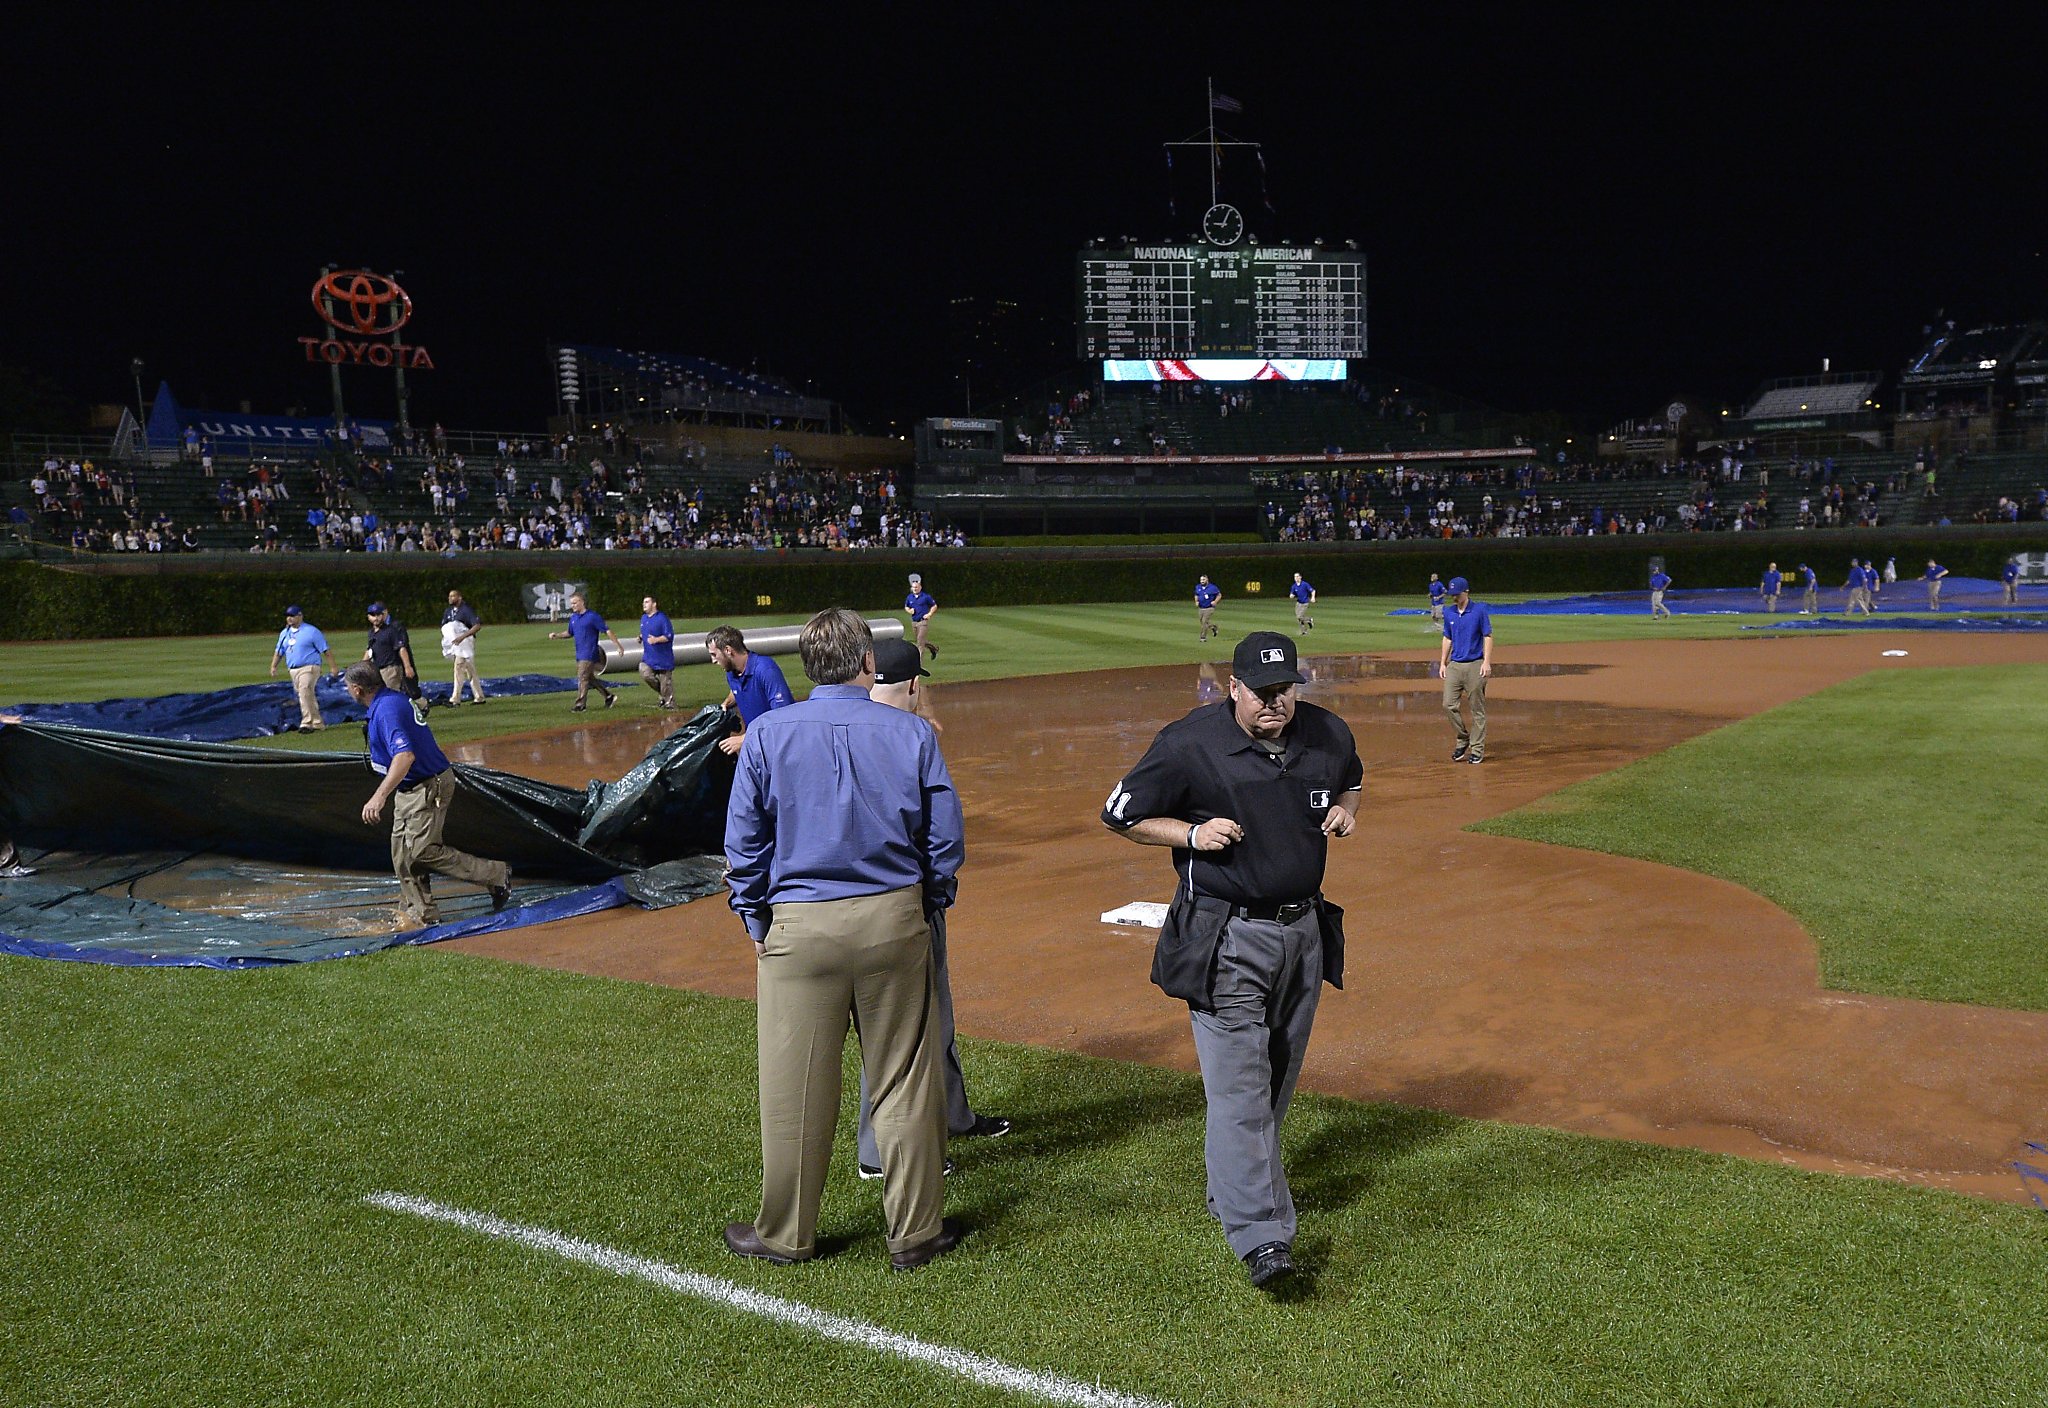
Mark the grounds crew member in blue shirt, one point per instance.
(842, 839)
(1207, 594)
(1466, 663)
(1248, 793)
(657, 652)
(1859, 594)
(920, 607)
(305, 654)
(1773, 582)
(1810, 603)
(2011, 577)
(1660, 583)
(585, 626)
(390, 650)
(897, 672)
(1933, 575)
(754, 683)
(461, 613)
(1436, 599)
(1304, 597)
(420, 785)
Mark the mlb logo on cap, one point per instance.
(1272, 657)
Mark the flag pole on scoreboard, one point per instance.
(1215, 152)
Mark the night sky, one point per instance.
(1585, 219)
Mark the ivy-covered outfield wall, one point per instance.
(184, 596)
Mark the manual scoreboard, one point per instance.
(1153, 301)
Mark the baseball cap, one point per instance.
(375, 608)
(294, 611)
(1263, 658)
(1458, 584)
(896, 661)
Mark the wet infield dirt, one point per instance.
(1487, 977)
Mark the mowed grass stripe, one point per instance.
(1896, 815)
(190, 1151)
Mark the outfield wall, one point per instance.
(175, 596)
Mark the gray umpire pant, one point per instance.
(1269, 977)
(959, 1116)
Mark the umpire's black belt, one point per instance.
(1284, 912)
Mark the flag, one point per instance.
(1220, 103)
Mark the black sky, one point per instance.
(1558, 214)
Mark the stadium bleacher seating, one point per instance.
(1818, 398)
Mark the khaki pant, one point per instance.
(465, 673)
(304, 678)
(1208, 617)
(662, 682)
(1811, 601)
(586, 676)
(921, 627)
(394, 678)
(417, 816)
(1301, 616)
(1462, 680)
(1657, 607)
(868, 958)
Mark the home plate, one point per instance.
(1895, 652)
(1140, 914)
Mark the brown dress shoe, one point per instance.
(950, 1233)
(741, 1238)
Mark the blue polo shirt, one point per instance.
(760, 689)
(1811, 579)
(584, 628)
(1467, 631)
(2011, 573)
(393, 730)
(919, 604)
(1437, 593)
(1935, 571)
(1207, 594)
(836, 797)
(657, 655)
(301, 645)
(1772, 581)
(1658, 581)
(1302, 591)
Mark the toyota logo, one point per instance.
(358, 301)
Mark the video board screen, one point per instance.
(1226, 369)
(1196, 301)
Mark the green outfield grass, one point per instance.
(1897, 816)
(187, 1154)
(976, 643)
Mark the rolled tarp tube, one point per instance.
(762, 640)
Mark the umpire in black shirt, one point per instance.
(1248, 793)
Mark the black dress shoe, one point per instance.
(741, 1238)
(1269, 1263)
(950, 1233)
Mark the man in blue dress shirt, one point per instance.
(585, 626)
(657, 652)
(420, 785)
(754, 683)
(305, 654)
(1207, 594)
(1466, 664)
(842, 836)
(920, 607)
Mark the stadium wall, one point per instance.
(188, 596)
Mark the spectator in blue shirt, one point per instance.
(304, 652)
(1466, 663)
(1933, 575)
(420, 785)
(842, 837)
(754, 683)
(1207, 594)
(1660, 582)
(657, 652)
(585, 626)
(920, 607)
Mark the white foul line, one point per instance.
(992, 1373)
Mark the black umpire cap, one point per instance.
(896, 661)
(1265, 658)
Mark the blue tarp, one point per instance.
(246, 711)
(1907, 623)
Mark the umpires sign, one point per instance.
(549, 601)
